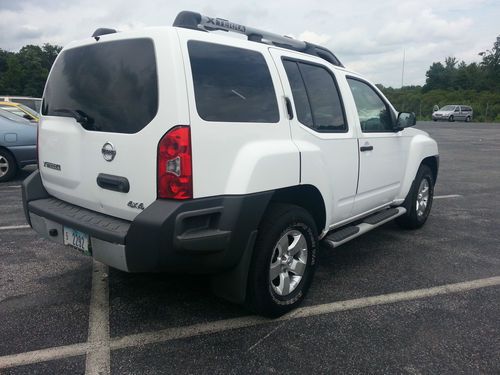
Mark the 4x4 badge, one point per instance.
(108, 151)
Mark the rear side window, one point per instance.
(232, 84)
(316, 97)
(112, 85)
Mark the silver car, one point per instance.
(453, 112)
(17, 144)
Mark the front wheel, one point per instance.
(451, 118)
(8, 166)
(284, 260)
(418, 203)
(467, 119)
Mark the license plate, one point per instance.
(77, 239)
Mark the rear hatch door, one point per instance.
(101, 125)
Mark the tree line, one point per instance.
(454, 82)
(451, 82)
(24, 73)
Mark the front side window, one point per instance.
(232, 84)
(374, 114)
(316, 97)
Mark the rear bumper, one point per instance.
(205, 235)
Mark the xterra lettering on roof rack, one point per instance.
(196, 21)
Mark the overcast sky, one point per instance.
(367, 36)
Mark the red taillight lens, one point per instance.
(175, 175)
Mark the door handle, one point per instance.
(115, 183)
(365, 148)
(289, 108)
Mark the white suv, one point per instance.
(173, 149)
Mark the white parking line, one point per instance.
(224, 325)
(15, 227)
(447, 196)
(43, 355)
(98, 357)
(237, 323)
(11, 187)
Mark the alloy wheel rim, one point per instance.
(422, 197)
(288, 262)
(4, 166)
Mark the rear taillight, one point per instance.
(175, 175)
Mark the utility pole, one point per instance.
(403, 70)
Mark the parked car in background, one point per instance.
(17, 144)
(453, 112)
(20, 110)
(33, 103)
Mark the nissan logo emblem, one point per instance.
(108, 151)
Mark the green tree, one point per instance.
(25, 72)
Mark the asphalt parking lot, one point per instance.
(391, 301)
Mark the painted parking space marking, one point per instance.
(98, 357)
(174, 333)
(13, 227)
(447, 196)
(303, 312)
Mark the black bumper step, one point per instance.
(105, 227)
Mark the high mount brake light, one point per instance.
(175, 175)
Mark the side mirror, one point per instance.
(405, 120)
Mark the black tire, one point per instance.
(434, 119)
(467, 119)
(451, 118)
(8, 166)
(411, 219)
(279, 220)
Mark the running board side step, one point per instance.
(345, 234)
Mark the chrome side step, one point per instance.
(345, 234)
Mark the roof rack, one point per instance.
(196, 21)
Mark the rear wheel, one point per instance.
(418, 203)
(467, 119)
(451, 118)
(8, 166)
(284, 260)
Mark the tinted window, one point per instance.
(374, 115)
(114, 84)
(299, 93)
(316, 97)
(232, 84)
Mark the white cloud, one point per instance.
(312, 37)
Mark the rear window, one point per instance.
(232, 84)
(113, 86)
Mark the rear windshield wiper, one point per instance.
(81, 117)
